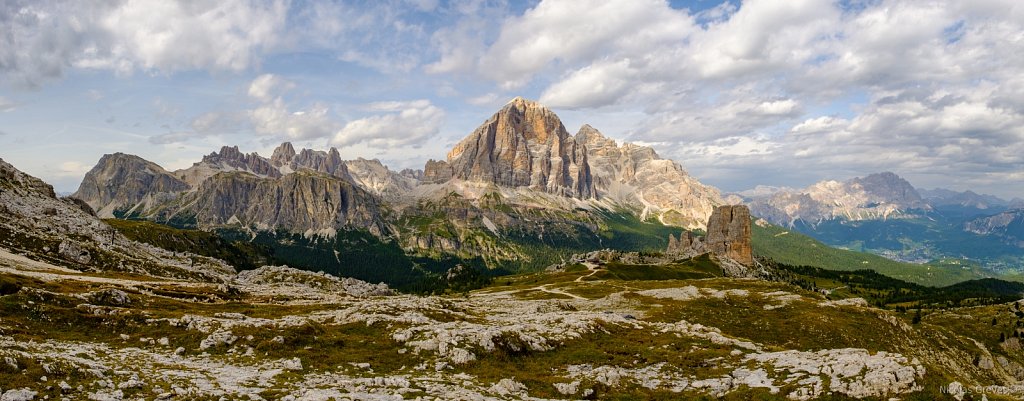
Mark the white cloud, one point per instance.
(275, 119)
(407, 124)
(72, 169)
(602, 83)
(568, 32)
(45, 38)
(268, 86)
(397, 105)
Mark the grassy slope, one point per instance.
(239, 254)
(793, 248)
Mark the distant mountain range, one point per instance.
(884, 214)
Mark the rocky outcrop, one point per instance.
(120, 182)
(228, 159)
(522, 145)
(38, 226)
(437, 172)
(875, 197)
(729, 234)
(13, 179)
(688, 243)
(306, 191)
(283, 154)
(636, 176)
(411, 174)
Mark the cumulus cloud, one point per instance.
(572, 31)
(404, 124)
(275, 119)
(43, 38)
(267, 86)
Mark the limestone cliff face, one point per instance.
(877, 196)
(729, 234)
(298, 202)
(633, 174)
(294, 191)
(522, 145)
(121, 181)
(437, 172)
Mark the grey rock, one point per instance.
(522, 145)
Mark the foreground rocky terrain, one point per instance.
(281, 333)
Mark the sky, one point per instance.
(741, 93)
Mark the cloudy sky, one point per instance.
(781, 93)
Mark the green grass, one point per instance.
(792, 248)
(240, 254)
(696, 268)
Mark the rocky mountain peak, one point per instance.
(283, 154)
(11, 177)
(876, 196)
(522, 145)
(231, 159)
(592, 138)
(536, 122)
(121, 180)
(889, 187)
(329, 162)
(635, 175)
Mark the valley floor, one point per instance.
(280, 333)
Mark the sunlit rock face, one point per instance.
(522, 145)
(635, 175)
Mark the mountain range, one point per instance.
(884, 214)
(517, 181)
(520, 193)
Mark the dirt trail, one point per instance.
(556, 291)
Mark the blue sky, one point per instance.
(741, 93)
